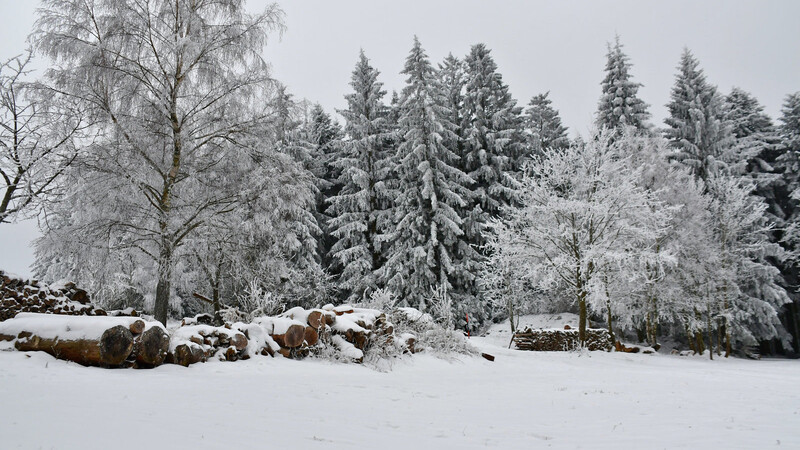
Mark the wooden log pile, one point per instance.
(19, 295)
(556, 340)
(90, 341)
(198, 343)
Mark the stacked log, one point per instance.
(555, 340)
(199, 343)
(90, 341)
(19, 295)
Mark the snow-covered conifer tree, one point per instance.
(427, 227)
(697, 129)
(755, 146)
(493, 140)
(545, 131)
(358, 211)
(620, 105)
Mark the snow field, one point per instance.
(522, 400)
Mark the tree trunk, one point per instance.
(582, 317)
(699, 345)
(710, 335)
(510, 304)
(215, 302)
(610, 328)
(161, 306)
(689, 338)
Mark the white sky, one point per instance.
(538, 45)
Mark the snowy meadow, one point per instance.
(521, 400)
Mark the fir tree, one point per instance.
(492, 133)
(422, 258)
(323, 134)
(789, 164)
(543, 122)
(619, 105)
(697, 129)
(755, 146)
(790, 126)
(359, 209)
(451, 77)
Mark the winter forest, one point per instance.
(172, 174)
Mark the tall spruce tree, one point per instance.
(492, 133)
(789, 165)
(545, 131)
(453, 78)
(697, 129)
(755, 146)
(322, 134)
(359, 210)
(619, 105)
(422, 258)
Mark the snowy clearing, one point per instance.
(522, 400)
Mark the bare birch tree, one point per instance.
(37, 140)
(171, 81)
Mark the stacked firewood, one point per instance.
(195, 343)
(23, 295)
(342, 331)
(554, 340)
(90, 341)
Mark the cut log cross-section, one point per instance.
(315, 319)
(311, 336)
(150, 348)
(294, 336)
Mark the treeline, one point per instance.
(184, 167)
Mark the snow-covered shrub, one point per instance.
(380, 299)
(254, 302)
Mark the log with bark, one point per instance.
(94, 341)
(110, 350)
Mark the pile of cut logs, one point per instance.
(60, 320)
(22, 295)
(555, 340)
(91, 341)
(296, 333)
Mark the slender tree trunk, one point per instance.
(610, 327)
(582, 317)
(689, 338)
(161, 306)
(511, 315)
(710, 335)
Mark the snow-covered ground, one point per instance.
(522, 400)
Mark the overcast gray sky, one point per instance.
(556, 46)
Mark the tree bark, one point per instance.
(582, 317)
(112, 349)
(161, 306)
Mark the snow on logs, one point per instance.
(554, 340)
(196, 343)
(90, 341)
(343, 332)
